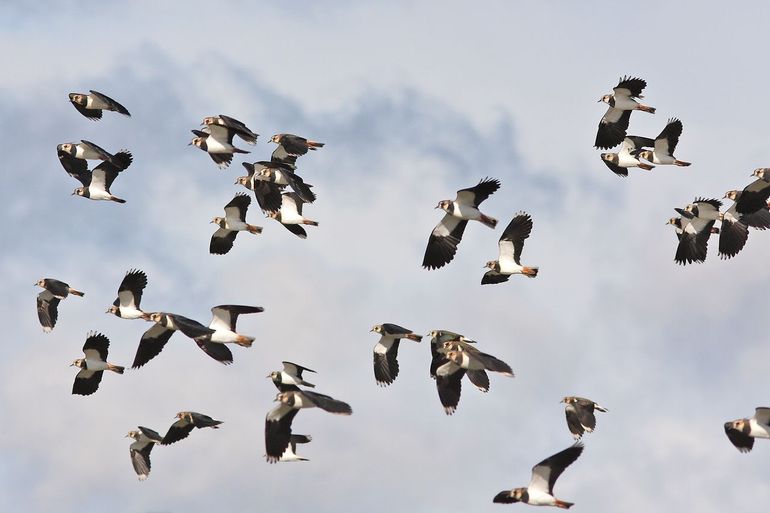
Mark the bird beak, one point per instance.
(268, 376)
(72, 194)
(107, 311)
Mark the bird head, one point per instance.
(377, 328)
(80, 362)
(65, 147)
(276, 138)
(217, 220)
(761, 172)
(80, 191)
(113, 310)
(209, 120)
(78, 98)
(610, 157)
(274, 375)
(40, 283)
(645, 154)
(731, 195)
(443, 204)
(517, 494)
(605, 98)
(198, 141)
(493, 264)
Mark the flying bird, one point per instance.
(290, 215)
(544, 476)
(223, 324)
(291, 452)
(386, 351)
(580, 415)
(217, 141)
(282, 175)
(126, 306)
(96, 183)
(154, 339)
(48, 301)
(753, 197)
(188, 420)
(294, 145)
(268, 194)
(614, 123)
(694, 228)
(290, 377)
(664, 146)
(742, 432)
(86, 150)
(229, 226)
(144, 440)
(93, 365)
(628, 156)
(92, 105)
(278, 420)
(510, 246)
(233, 125)
(443, 240)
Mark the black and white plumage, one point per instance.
(92, 105)
(93, 365)
(126, 306)
(188, 420)
(539, 492)
(229, 226)
(734, 230)
(268, 194)
(278, 420)
(443, 240)
(290, 214)
(477, 376)
(614, 123)
(96, 183)
(294, 145)
(628, 156)
(282, 175)
(86, 150)
(217, 141)
(752, 198)
(231, 124)
(290, 377)
(154, 339)
(664, 146)
(579, 412)
(223, 323)
(510, 246)
(386, 351)
(694, 228)
(290, 454)
(471, 359)
(437, 338)
(144, 440)
(48, 301)
(742, 432)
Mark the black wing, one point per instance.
(553, 466)
(671, 134)
(99, 343)
(113, 105)
(76, 168)
(92, 114)
(741, 441)
(443, 241)
(386, 364)
(479, 192)
(753, 198)
(87, 382)
(47, 311)
(479, 378)
(732, 238)
(573, 421)
(294, 145)
(152, 343)
(140, 459)
(240, 128)
(492, 277)
(278, 431)
(241, 202)
(178, 431)
(131, 288)
(517, 232)
(217, 351)
(449, 388)
(612, 128)
(328, 403)
(222, 241)
(296, 229)
(635, 86)
(268, 195)
(620, 171)
(280, 156)
(299, 186)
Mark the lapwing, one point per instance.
(188, 420)
(386, 351)
(154, 339)
(48, 301)
(217, 141)
(144, 440)
(437, 338)
(231, 124)
(229, 226)
(478, 377)
(86, 150)
(294, 145)
(510, 246)
(223, 323)
(694, 228)
(96, 183)
(544, 476)
(278, 420)
(614, 123)
(290, 377)
(126, 306)
(752, 198)
(92, 105)
(742, 432)
(580, 415)
(93, 365)
(665, 144)
(443, 240)
(627, 157)
(290, 215)
(282, 175)
(268, 194)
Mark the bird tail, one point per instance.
(646, 108)
(244, 341)
(681, 163)
(253, 229)
(311, 223)
(115, 368)
(77, 292)
(530, 272)
(312, 145)
(238, 150)
(117, 200)
(413, 336)
(646, 167)
(563, 504)
(488, 221)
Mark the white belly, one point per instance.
(224, 336)
(468, 212)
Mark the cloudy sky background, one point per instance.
(414, 100)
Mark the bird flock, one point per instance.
(453, 356)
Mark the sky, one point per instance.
(414, 101)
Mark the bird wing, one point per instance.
(733, 235)
(76, 168)
(386, 361)
(222, 241)
(96, 347)
(478, 193)
(103, 176)
(86, 382)
(281, 156)
(299, 186)
(545, 473)
(151, 434)
(762, 415)
(278, 431)
(151, 344)
(101, 152)
(741, 441)
(629, 87)
(294, 370)
(131, 288)
(296, 229)
(240, 128)
(294, 145)
(140, 459)
(112, 103)
(754, 197)
(511, 242)
(268, 195)
(666, 142)
(177, 431)
(221, 133)
(47, 311)
(291, 203)
(443, 241)
(226, 316)
(238, 206)
(479, 378)
(92, 114)
(492, 277)
(585, 413)
(449, 385)
(573, 421)
(612, 128)
(219, 352)
(328, 403)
